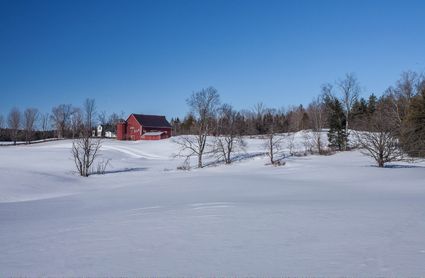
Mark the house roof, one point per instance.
(152, 120)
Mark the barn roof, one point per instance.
(152, 120)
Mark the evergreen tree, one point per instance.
(359, 108)
(304, 121)
(337, 136)
(371, 104)
(359, 114)
(176, 124)
(187, 124)
(413, 134)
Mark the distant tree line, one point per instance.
(386, 128)
(64, 121)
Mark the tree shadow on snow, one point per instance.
(125, 170)
(237, 158)
(398, 166)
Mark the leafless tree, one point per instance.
(273, 146)
(402, 94)
(86, 149)
(30, 116)
(295, 115)
(350, 90)
(229, 139)
(291, 143)
(89, 112)
(408, 84)
(257, 115)
(1, 125)
(317, 115)
(381, 142)
(14, 123)
(61, 116)
(327, 91)
(1, 121)
(114, 119)
(203, 104)
(76, 122)
(44, 123)
(274, 140)
(102, 118)
(259, 109)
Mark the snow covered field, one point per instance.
(315, 216)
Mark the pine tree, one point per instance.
(337, 136)
(187, 124)
(371, 104)
(176, 124)
(359, 114)
(413, 134)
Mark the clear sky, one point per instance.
(149, 56)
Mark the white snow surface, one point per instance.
(333, 215)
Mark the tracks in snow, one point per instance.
(132, 152)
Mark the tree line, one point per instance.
(386, 128)
(64, 121)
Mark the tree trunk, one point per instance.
(271, 153)
(346, 132)
(381, 160)
(228, 160)
(200, 161)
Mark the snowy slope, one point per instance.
(322, 216)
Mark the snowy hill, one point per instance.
(317, 215)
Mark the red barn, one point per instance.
(144, 127)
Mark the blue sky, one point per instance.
(149, 56)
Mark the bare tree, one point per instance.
(61, 116)
(381, 142)
(89, 110)
(296, 116)
(229, 139)
(257, 115)
(114, 119)
(273, 144)
(400, 96)
(408, 85)
(44, 123)
(14, 123)
(86, 149)
(203, 104)
(327, 90)
(1, 125)
(30, 116)
(102, 118)
(291, 143)
(350, 90)
(76, 122)
(259, 110)
(316, 113)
